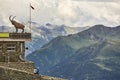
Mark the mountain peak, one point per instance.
(100, 26)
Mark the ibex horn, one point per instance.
(10, 17)
(13, 17)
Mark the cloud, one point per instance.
(69, 12)
(91, 13)
(98, 0)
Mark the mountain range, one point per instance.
(42, 34)
(93, 54)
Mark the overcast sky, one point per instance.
(69, 12)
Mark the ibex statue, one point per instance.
(16, 24)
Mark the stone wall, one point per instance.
(24, 66)
(21, 71)
(14, 74)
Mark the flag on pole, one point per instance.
(32, 7)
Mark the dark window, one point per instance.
(11, 47)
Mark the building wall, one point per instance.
(11, 51)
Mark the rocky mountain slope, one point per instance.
(91, 54)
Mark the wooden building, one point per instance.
(12, 46)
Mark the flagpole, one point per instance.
(30, 17)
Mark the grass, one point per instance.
(78, 43)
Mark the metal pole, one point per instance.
(30, 17)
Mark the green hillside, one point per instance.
(96, 62)
(93, 54)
